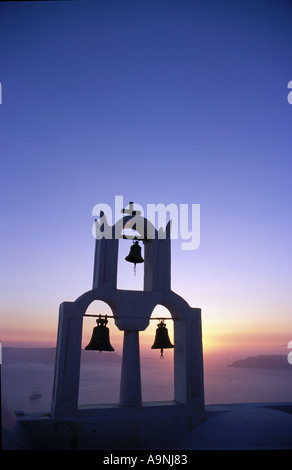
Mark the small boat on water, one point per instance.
(35, 394)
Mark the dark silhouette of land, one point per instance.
(47, 355)
(263, 362)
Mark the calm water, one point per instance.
(99, 383)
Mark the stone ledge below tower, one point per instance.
(152, 426)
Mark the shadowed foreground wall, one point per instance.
(146, 427)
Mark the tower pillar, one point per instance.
(130, 386)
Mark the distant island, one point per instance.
(263, 362)
(47, 355)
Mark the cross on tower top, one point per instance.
(131, 211)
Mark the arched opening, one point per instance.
(127, 277)
(99, 371)
(157, 375)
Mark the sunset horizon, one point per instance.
(146, 164)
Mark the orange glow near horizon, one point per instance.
(232, 338)
(220, 340)
(242, 340)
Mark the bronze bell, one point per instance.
(162, 340)
(100, 337)
(135, 255)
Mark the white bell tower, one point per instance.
(131, 311)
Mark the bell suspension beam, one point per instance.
(125, 316)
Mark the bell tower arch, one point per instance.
(157, 266)
(131, 311)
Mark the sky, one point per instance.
(165, 101)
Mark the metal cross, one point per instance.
(131, 211)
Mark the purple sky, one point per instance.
(161, 102)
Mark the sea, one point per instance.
(100, 382)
